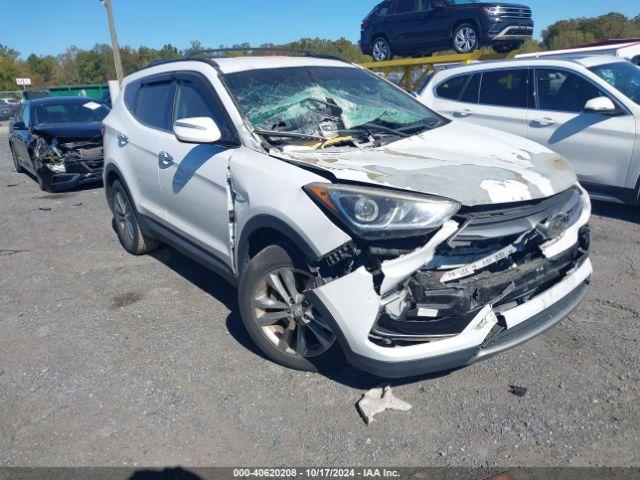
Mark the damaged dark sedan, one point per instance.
(59, 141)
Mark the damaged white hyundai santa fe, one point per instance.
(355, 222)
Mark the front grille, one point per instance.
(516, 12)
(492, 222)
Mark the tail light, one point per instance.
(363, 26)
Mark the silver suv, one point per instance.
(353, 220)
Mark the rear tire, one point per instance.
(125, 223)
(381, 50)
(280, 321)
(465, 38)
(16, 163)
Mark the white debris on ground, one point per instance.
(377, 401)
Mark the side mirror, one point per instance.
(601, 105)
(197, 130)
(19, 126)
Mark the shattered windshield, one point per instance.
(327, 102)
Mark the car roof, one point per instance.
(239, 64)
(63, 100)
(566, 61)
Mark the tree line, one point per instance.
(77, 66)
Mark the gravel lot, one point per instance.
(109, 359)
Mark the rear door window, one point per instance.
(406, 6)
(463, 88)
(151, 104)
(505, 88)
(563, 91)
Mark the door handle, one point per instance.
(123, 140)
(463, 113)
(545, 122)
(165, 159)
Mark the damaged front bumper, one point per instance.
(67, 165)
(412, 317)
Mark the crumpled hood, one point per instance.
(70, 131)
(471, 164)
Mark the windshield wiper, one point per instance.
(277, 134)
(370, 125)
(423, 124)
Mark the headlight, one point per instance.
(377, 214)
(493, 10)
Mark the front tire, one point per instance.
(465, 38)
(381, 50)
(125, 223)
(277, 316)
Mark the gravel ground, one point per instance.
(109, 359)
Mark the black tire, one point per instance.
(125, 223)
(16, 164)
(268, 263)
(381, 50)
(504, 48)
(465, 38)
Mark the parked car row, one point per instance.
(8, 108)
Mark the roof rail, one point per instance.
(215, 53)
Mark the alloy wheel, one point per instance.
(381, 50)
(466, 40)
(285, 316)
(124, 218)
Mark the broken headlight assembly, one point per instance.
(378, 214)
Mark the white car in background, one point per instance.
(584, 108)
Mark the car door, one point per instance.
(599, 146)
(403, 26)
(20, 136)
(433, 23)
(456, 96)
(504, 98)
(194, 177)
(149, 100)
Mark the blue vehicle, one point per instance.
(59, 141)
(421, 27)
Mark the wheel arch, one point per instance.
(264, 230)
(470, 20)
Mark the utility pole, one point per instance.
(114, 41)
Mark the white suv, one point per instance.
(351, 217)
(585, 108)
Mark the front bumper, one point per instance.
(504, 30)
(78, 174)
(491, 331)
